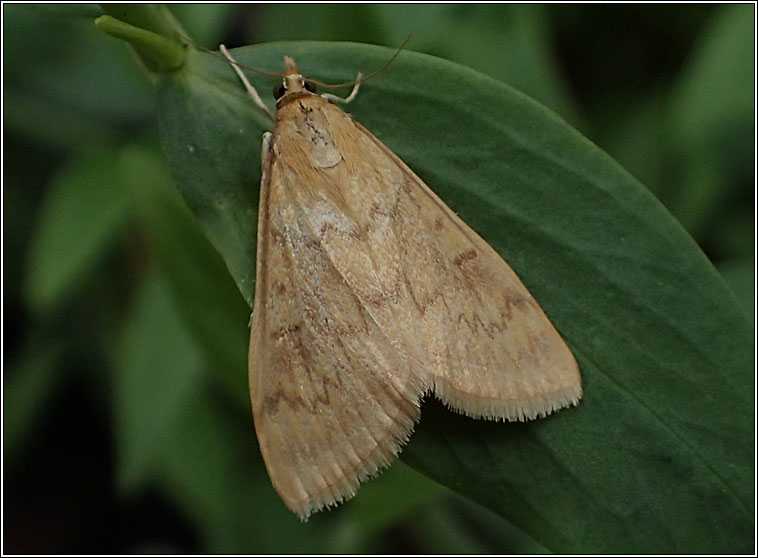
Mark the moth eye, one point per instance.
(310, 86)
(279, 90)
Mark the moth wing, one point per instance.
(333, 398)
(488, 348)
(477, 337)
(370, 291)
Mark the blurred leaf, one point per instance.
(716, 88)
(28, 385)
(205, 23)
(519, 34)
(711, 118)
(468, 34)
(78, 90)
(740, 276)
(40, 118)
(171, 433)
(211, 471)
(664, 435)
(157, 375)
(458, 526)
(637, 140)
(440, 531)
(68, 9)
(204, 293)
(335, 22)
(402, 496)
(392, 496)
(733, 230)
(24, 177)
(85, 208)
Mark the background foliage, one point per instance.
(126, 422)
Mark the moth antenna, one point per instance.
(361, 78)
(232, 61)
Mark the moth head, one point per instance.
(292, 82)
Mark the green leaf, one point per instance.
(204, 293)
(469, 34)
(84, 210)
(158, 373)
(395, 494)
(206, 23)
(69, 9)
(173, 434)
(209, 468)
(710, 119)
(459, 526)
(29, 384)
(658, 456)
(216, 172)
(740, 276)
(520, 34)
(637, 140)
(65, 84)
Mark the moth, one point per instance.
(371, 293)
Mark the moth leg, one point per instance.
(334, 99)
(250, 89)
(263, 204)
(266, 151)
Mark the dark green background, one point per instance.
(126, 423)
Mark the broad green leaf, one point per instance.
(84, 210)
(658, 456)
(217, 183)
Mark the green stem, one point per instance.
(153, 17)
(158, 53)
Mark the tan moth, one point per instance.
(370, 293)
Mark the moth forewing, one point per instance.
(542, 374)
(371, 292)
(332, 400)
